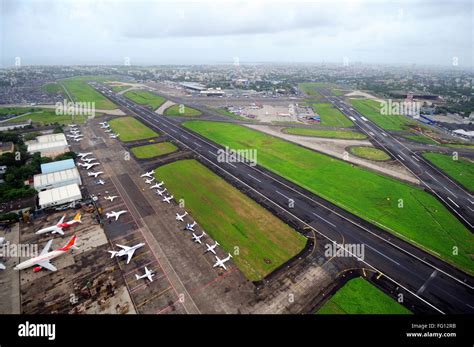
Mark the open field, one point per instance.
(422, 139)
(146, 98)
(52, 88)
(331, 116)
(154, 150)
(460, 170)
(360, 297)
(46, 117)
(372, 110)
(181, 111)
(232, 218)
(308, 88)
(117, 89)
(369, 153)
(362, 192)
(131, 129)
(332, 134)
(82, 92)
(226, 113)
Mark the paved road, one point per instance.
(438, 286)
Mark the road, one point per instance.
(438, 286)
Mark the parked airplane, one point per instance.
(167, 199)
(111, 198)
(77, 140)
(210, 248)
(83, 155)
(148, 174)
(180, 217)
(114, 136)
(148, 274)
(88, 160)
(160, 192)
(157, 185)
(88, 166)
(104, 125)
(149, 180)
(126, 250)
(114, 214)
(190, 227)
(43, 260)
(59, 226)
(95, 174)
(101, 182)
(197, 238)
(220, 262)
(108, 130)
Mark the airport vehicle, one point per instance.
(221, 262)
(114, 136)
(148, 274)
(115, 215)
(190, 227)
(160, 192)
(43, 260)
(88, 166)
(95, 174)
(211, 248)
(157, 185)
(167, 199)
(180, 217)
(150, 180)
(148, 174)
(83, 155)
(110, 197)
(101, 182)
(197, 238)
(126, 250)
(58, 228)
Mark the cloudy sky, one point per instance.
(194, 32)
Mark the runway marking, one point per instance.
(333, 225)
(283, 195)
(415, 158)
(384, 134)
(450, 192)
(231, 165)
(187, 138)
(469, 207)
(214, 154)
(197, 144)
(423, 287)
(256, 179)
(432, 176)
(472, 202)
(453, 202)
(383, 255)
(401, 157)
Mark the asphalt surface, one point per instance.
(438, 286)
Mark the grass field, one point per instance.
(181, 111)
(45, 117)
(52, 88)
(82, 92)
(146, 98)
(154, 150)
(131, 129)
(422, 139)
(334, 134)
(372, 110)
(369, 195)
(369, 153)
(117, 89)
(226, 113)
(360, 297)
(331, 116)
(232, 218)
(460, 170)
(308, 88)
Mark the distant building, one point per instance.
(14, 125)
(6, 147)
(59, 196)
(50, 145)
(197, 87)
(56, 179)
(59, 165)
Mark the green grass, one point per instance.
(458, 145)
(360, 297)
(181, 111)
(131, 129)
(371, 109)
(331, 116)
(334, 134)
(146, 98)
(52, 88)
(369, 195)
(82, 92)
(422, 139)
(47, 116)
(308, 88)
(460, 170)
(231, 218)
(18, 110)
(154, 150)
(369, 153)
(226, 113)
(118, 89)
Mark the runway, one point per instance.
(439, 287)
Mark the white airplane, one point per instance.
(111, 198)
(108, 130)
(88, 160)
(210, 248)
(43, 260)
(167, 199)
(77, 140)
(220, 262)
(101, 182)
(83, 155)
(149, 180)
(148, 274)
(190, 227)
(180, 217)
(88, 166)
(95, 174)
(114, 214)
(157, 185)
(126, 250)
(59, 226)
(114, 136)
(148, 174)
(197, 238)
(104, 125)
(160, 192)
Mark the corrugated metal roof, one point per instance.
(51, 196)
(51, 138)
(56, 177)
(39, 146)
(57, 166)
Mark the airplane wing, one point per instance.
(46, 248)
(117, 217)
(58, 231)
(123, 247)
(47, 265)
(130, 255)
(62, 219)
(223, 265)
(2, 267)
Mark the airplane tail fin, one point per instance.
(230, 255)
(70, 244)
(137, 277)
(77, 217)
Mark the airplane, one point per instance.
(114, 214)
(157, 185)
(95, 174)
(220, 262)
(88, 160)
(180, 218)
(43, 260)
(77, 140)
(83, 155)
(111, 198)
(210, 248)
(108, 130)
(104, 125)
(148, 273)
(197, 238)
(167, 199)
(148, 181)
(160, 192)
(59, 226)
(101, 182)
(148, 174)
(190, 227)
(126, 250)
(114, 136)
(88, 166)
